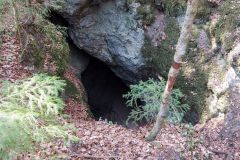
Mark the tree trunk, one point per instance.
(174, 70)
(16, 16)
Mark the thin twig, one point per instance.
(95, 157)
(218, 152)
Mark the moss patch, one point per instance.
(203, 10)
(59, 47)
(71, 90)
(146, 13)
(42, 44)
(174, 7)
(46, 47)
(193, 79)
(147, 8)
(160, 57)
(228, 21)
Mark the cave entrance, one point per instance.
(105, 90)
(103, 87)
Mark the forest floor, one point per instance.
(104, 140)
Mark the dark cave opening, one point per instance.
(57, 19)
(105, 92)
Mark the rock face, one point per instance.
(78, 59)
(108, 32)
(221, 76)
(222, 79)
(232, 121)
(225, 83)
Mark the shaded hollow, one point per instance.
(105, 92)
(103, 87)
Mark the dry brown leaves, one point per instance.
(100, 140)
(10, 66)
(76, 110)
(216, 2)
(219, 146)
(70, 74)
(76, 107)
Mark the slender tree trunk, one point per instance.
(17, 21)
(31, 16)
(16, 16)
(174, 70)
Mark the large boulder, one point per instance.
(109, 32)
(223, 82)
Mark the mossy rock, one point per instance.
(71, 90)
(195, 91)
(160, 57)
(174, 7)
(204, 10)
(146, 13)
(46, 44)
(147, 8)
(228, 22)
(192, 81)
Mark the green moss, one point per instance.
(203, 10)
(46, 42)
(174, 7)
(195, 31)
(146, 13)
(37, 56)
(228, 21)
(128, 2)
(228, 42)
(147, 8)
(193, 80)
(59, 47)
(145, 1)
(160, 57)
(71, 90)
(195, 90)
(39, 38)
(178, 7)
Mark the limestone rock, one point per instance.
(110, 33)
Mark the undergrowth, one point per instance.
(174, 7)
(30, 114)
(228, 22)
(144, 99)
(160, 57)
(146, 9)
(42, 44)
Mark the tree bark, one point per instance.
(16, 16)
(174, 70)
